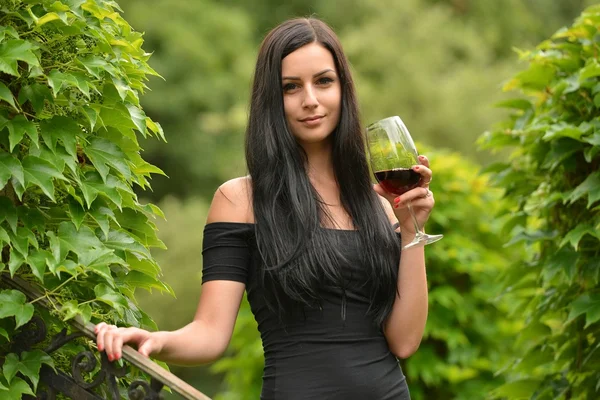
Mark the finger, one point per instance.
(381, 191)
(117, 345)
(147, 348)
(412, 195)
(100, 338)
(109, 338)
(424, 160)
(425, 173)
(98, 327)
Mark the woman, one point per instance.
(309, 240)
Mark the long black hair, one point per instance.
(298, 255)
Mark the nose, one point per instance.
(310, 99)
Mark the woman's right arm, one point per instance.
(208, 335)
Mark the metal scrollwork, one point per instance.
(141, 390)
(30, 334)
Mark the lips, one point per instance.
(313, 118)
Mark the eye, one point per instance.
(288, 87)
(324, 80)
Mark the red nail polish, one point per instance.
(110, 357)
(397, 199)
(396, 205)
(417, 168)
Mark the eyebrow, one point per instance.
(295, 78)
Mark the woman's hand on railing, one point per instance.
(110, 339)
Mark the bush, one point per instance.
(71, 74)
(552, 185)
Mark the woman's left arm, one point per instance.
(406, 323)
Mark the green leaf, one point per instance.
(101, 213)
(594, 139)
(110, 297)
(18, 127)
(76, 212)
(61, 128)
(59, 158)
(49, 17)
(15, 262)
(91, 114)
(4, 238)
(13, 304)
(32, 218)
(138, 117)
(590, 186)
(37, 94)
(17, 389)
(519, 104)
(563, 130)
(58, 80)
(592, 69)
(6, 95)
(146, 266)
(588, 304)
(78, 241)
(137, 223)
(19, 243)
(116, 116)
(8, 30)
(30, 365)
(574, 236)
(516, 390)
(155, 128)
(13, 51)
(85, 310)
(4, 333)
(40, 173)
(122, 240)
(10, 166)
(10, 367)
(96, 66)
(95, 258)
(104, 154)
(70, 309)
(8, 212)
(537, 77)
(38, 260)
(140, 280)
(564, 260)
(92, 185)
(68, 266)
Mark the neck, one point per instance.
(319, 163)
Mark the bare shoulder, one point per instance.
(232, 202)
(388, 209)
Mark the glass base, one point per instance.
(421, 239)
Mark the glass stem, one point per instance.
(414, 218)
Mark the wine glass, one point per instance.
(392, 153)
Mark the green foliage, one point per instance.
(468, 333)
(552, 184)
(71, 73)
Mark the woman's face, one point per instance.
(312, 93)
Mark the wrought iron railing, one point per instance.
(86, 375)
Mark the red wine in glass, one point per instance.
(392, 154)
(398, 180)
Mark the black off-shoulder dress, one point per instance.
(322, 355)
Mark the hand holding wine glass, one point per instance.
(401, 172)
